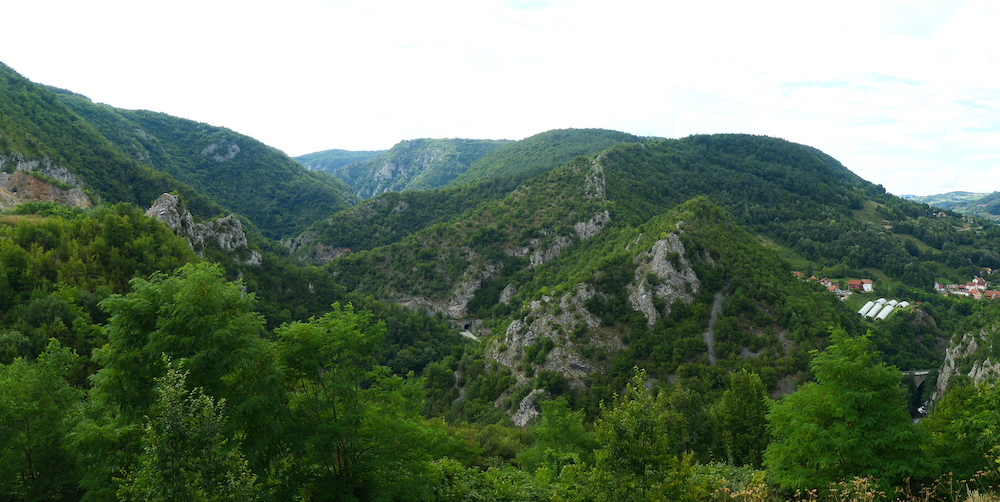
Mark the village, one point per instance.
(875, 309)
(977, 289)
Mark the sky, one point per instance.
(903, 93)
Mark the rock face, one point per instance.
(561, 335)
(570, 327)
(956, 362)
(663, 275)
(20, 186)
(527, 411)
(226, 232)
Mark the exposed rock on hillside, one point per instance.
(577, 339)
(226, 233)
(527, 411)
(662, 276)
(22, 186)
(419, 164)
(960, 359)
(570, 327)
(221, 150)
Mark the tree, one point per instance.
(206, 324)
(852, 421)
(35, 400)
(634, 459)
(742, 417)
(559, 438)
(354, 428)
(965, 428)
(185, 453)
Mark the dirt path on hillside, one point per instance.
(710, 334)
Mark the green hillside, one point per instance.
(36, 126)
(331, 161)
(392, 216)
(243, 175)
(419, 164)
(536, 154)
(560, 240)
(583, 315)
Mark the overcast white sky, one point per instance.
(904, 93)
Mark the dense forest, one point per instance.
(582, 315)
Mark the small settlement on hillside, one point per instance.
(875, 309)
(977, 289)
(834, 288)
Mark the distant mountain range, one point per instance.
(984, 205)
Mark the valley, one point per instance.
(583, 314)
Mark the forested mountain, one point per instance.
(583, 315)
(135, 156)
(419, 164)
(39, 132)
(332, 160)
(394, 215)
(536, 154)
(794, 195)
(275, 193)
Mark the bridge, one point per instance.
(919, 376)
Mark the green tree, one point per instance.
(851, 422)
(186, 454)
(355, 430)
(634, 459)
(559, 438)
(741, 414)
(35, 400)
(965, 428)
(209, 326)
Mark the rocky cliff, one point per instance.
(967, 356)
(579, 340)
(23, 180)
(226, 232)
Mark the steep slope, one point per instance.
(642, 255)
(389, 217)
(39, 133)
(973, 354)
(557, 258)
(419, 164)
(271, 190)
(802, 199)
(792, 194)
(331, 161)
(536, 154)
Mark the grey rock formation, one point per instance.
(44, 166)
(565, 321)
(221, 150)
(958, 355)
(225, 232)
(528, 409)
(672, 273)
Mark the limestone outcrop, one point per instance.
(961, 359)
(226, 232)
